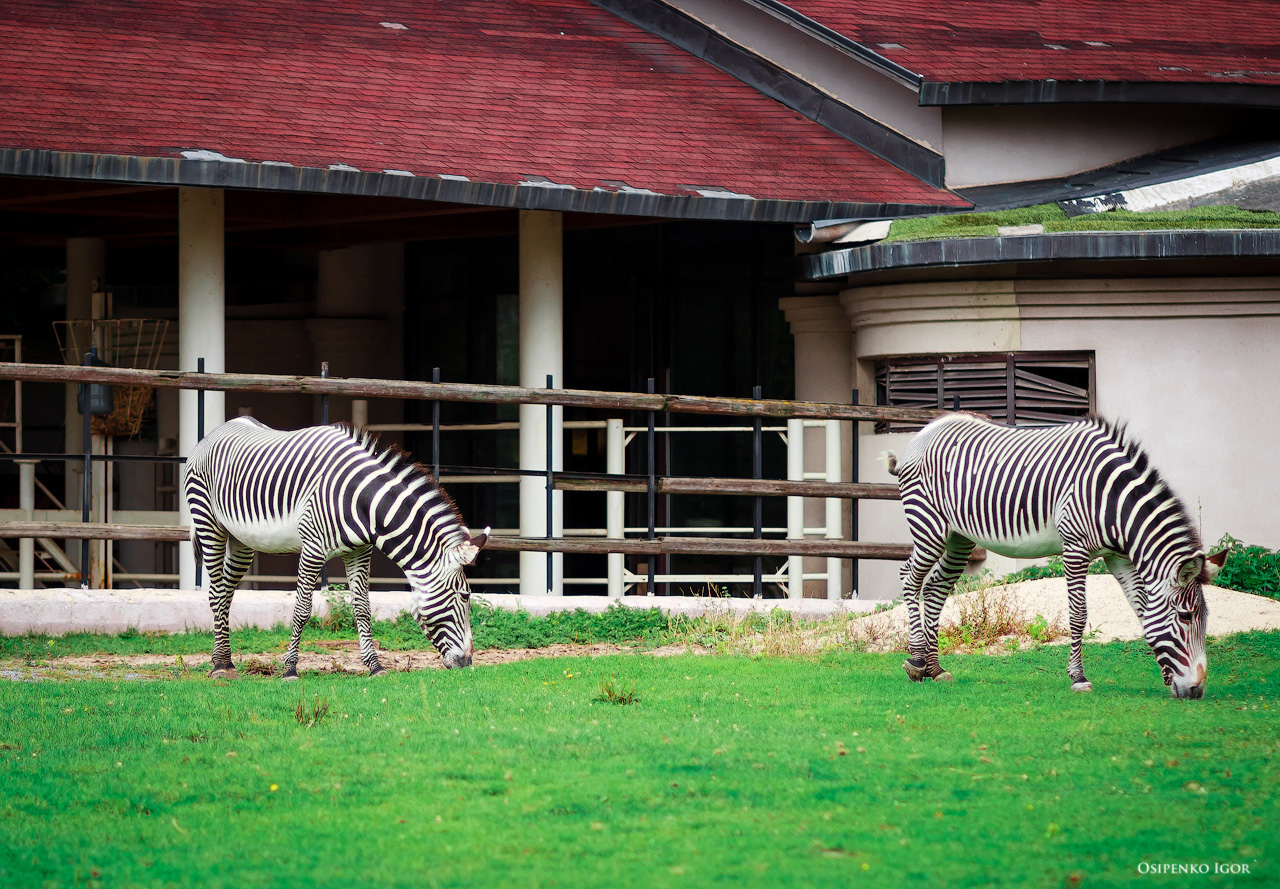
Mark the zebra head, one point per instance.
(1174, 623)
(443, 601)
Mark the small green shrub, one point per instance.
(341, 616)
(1250, 569)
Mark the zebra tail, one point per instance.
(890, 461)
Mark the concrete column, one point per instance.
(86, 273)
(615, 505)
(201, 326)
(541, 353)
(824, 364)
(26, 507)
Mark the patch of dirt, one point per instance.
(1110, 616)
(339, 660)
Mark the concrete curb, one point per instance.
(57, 611)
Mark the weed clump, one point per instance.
(612, 692)
(259, 667)
(312, 714)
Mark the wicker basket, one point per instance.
(125, 342)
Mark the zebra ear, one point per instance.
(1213, 563)
(1190, 570)
(465, 553)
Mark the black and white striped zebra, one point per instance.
(321, 492)
(1083, 490)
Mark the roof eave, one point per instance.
(175, 171)
(954, 252)
(1046, 92)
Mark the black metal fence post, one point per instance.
(435, 428)
(652, 491)
(324, 421)
(551, 503)
(199, 438)
(86, 491)
(757, 471)
(853, 518)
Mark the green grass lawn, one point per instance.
(1051, 216)
(725, 771)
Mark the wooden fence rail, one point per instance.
(842, 549)
(467, 392)
(764, 487)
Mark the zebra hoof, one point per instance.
(290, 675)
(914, 673)
(1082, 686)
(944, 676)
(223, 673)
(377, 670)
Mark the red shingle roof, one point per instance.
(503, 91)
(1188, 41)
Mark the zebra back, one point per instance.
(1089, 476)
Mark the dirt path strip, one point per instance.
(341, 659)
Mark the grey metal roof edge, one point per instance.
(1039, 248)
(1032, 92)
(175, 171)
(846, 45)
(771, 80)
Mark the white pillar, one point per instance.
(86, 273)
(201, 326)
(833, 454)
(615, 511)
(824, 363)
(26, 507)
(541, 353)
(795, 506)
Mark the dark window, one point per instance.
(1015, 388)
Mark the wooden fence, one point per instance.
(490, 394)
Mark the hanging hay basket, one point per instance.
(125, 342)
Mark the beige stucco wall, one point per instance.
(988, 144)
(1188, 363)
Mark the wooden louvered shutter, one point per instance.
(1016, 388)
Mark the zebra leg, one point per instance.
(211, 541)
(939, 584)
(310, 565)
(357, 564)
(923, 558)
(1076, 566)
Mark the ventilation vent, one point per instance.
(1016, 388)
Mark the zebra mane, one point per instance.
(1118, 433)
(397, 460)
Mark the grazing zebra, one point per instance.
(1083, 490)
(322, 492)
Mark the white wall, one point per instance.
(1188, 363)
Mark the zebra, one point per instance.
(1082, 490)
(320, 492)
